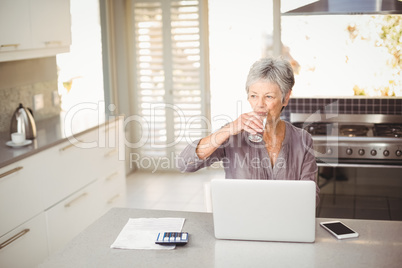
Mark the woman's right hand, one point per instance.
(250, 122)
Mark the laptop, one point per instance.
(264, 210)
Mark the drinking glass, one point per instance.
(258, 137)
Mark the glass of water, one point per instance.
(258, 137)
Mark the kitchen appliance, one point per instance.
(354, 139)
(348, 7)
(22, 121)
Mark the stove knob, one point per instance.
(373, 152)
(349, 151)
(361, 152)
(329, 151)
(398, 152)
(386, 153)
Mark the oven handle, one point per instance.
(321, 163)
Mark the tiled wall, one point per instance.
(344, 106)
(20, 81)
(10, 99)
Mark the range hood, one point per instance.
(348, 7)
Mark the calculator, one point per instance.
(172, 238)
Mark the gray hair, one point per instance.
(274, 70)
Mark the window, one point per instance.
(345, 55)
(80, 71)
(170, 77)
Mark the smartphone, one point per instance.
(339, 229)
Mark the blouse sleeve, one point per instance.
(309, 169)
(188, 160)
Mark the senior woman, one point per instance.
(284, 153)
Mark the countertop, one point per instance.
(379, 245)
(49, 132)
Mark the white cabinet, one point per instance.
(21, 191)
(68, 218)
(26, 245)
(111, 186)
(92, 171)
(34, 28)
(50, 21)
(58, 192)
(111, 170)
(15, 25)
(71, 168)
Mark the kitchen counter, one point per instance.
(379, 245)
(49, 132)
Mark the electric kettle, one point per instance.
(23, 122)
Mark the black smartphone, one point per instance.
(339, 229)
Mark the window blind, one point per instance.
(170, 75)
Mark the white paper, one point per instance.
(141, 233)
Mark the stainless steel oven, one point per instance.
(344, 140)
(360, 164)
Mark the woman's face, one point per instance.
(265, 99)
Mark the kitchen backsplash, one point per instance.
(344, 106)
(10, 99)
(20, 81)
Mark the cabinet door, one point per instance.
(34, 28)
(71, 168)
(15, 28)
(112, 187)
(26, 245)
(112, 179)
(21, 191)
(111, 147)
(68, 218)
(51, 23)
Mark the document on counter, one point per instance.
(141, 233)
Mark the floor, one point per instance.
(340, 198)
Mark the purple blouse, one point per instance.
(243, 159)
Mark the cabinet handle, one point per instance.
(108, 178)
(67, 147)
(111, 152)
(10, 45)
(111, 200)
(10, 172)
(75, 200)
(47, 43)
(12, 239)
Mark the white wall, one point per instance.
(238, 33)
